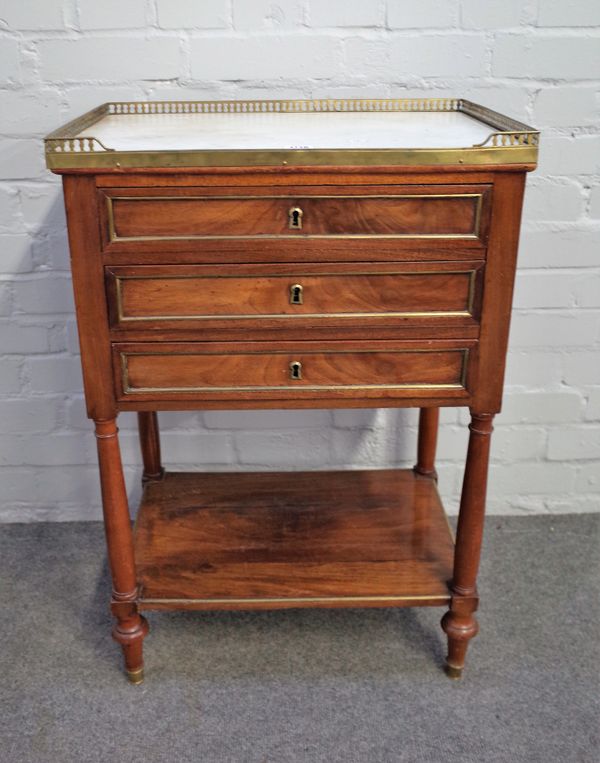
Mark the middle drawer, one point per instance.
(204, 296)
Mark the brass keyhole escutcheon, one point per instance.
(295, 370)
(296, 294)
(295, 218)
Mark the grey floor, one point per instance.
(352, 686)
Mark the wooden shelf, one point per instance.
(297, 539)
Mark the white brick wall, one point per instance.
(538, 60)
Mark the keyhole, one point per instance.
(295, 369)
(295, 217)
(296, 296)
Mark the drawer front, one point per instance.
(162, 215)
(173, 297)
(302, 369)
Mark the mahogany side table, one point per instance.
(292, 254)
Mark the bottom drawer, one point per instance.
(242, 370)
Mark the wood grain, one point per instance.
(171, 370)
(429, 419)
(190, 217)
(459, 622)
(166, 218)
(498, 290)
(310, 400)
(292, 249)
(130, 628)
(183, 297)
(150, 445)
(90, 301)
(330, 535)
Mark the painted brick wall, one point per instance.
(538, 60)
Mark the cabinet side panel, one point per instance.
(498, 290)
(90, 300)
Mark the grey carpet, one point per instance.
(273, 687)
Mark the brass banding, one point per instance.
(298, 599)
(410, 157)
(136, 676)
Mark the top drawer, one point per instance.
(161, 215)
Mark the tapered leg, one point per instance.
(130, 627)
(459, 623)
(427, 443)
(150, 444)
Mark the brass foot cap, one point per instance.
(136, 676)
(157, 477)
(453, 672)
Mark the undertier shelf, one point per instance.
(296, 539)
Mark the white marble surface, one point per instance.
(188, 132)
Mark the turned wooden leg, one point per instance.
(459, 623)
(150, 444)
(130, 627)
(428, 432)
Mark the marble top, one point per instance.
(257, 131)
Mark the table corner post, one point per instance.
(429, 419)
(459, 622)
(149, 434)
(130, 628)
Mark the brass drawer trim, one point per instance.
(275, 599)
(128, 389)
(474, 235)
(472, 273)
